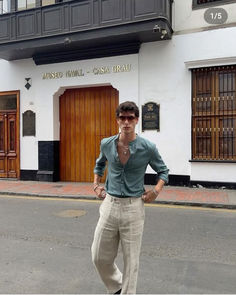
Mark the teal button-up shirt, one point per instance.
(128, 180)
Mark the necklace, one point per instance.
(125, 149)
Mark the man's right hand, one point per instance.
(100, 192)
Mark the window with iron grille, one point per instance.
(214, 113)
(207, 3)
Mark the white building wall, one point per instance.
(165, 77)
(165, 80)
(43, 96)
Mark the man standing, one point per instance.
(122, 210)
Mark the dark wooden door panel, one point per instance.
(3, 162)
(8, 145)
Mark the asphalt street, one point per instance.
(45, 248)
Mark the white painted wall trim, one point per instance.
(222, 61)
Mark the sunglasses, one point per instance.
(124, 118)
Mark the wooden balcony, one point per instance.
(82, 29)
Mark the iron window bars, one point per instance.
(214, 113)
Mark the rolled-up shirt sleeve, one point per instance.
(100, 163)
(158, 165)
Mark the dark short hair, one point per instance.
(127, 106)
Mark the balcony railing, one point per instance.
(45, 29)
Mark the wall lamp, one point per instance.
(158, 29)
(163, 33)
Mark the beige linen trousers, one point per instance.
(121, 220)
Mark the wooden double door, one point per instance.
(9, 135)
(86, 116)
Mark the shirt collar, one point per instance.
(130, 143)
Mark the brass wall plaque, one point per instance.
(151, 116)
(29, 123)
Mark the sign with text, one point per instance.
(151, 116)
(79, 72)
(28, 123)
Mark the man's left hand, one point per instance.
(149, 196)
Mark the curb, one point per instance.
(195, 204)
(82, 197)
(49, 196)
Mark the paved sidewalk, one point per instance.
(218, 198)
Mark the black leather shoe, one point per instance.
(118, 292)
